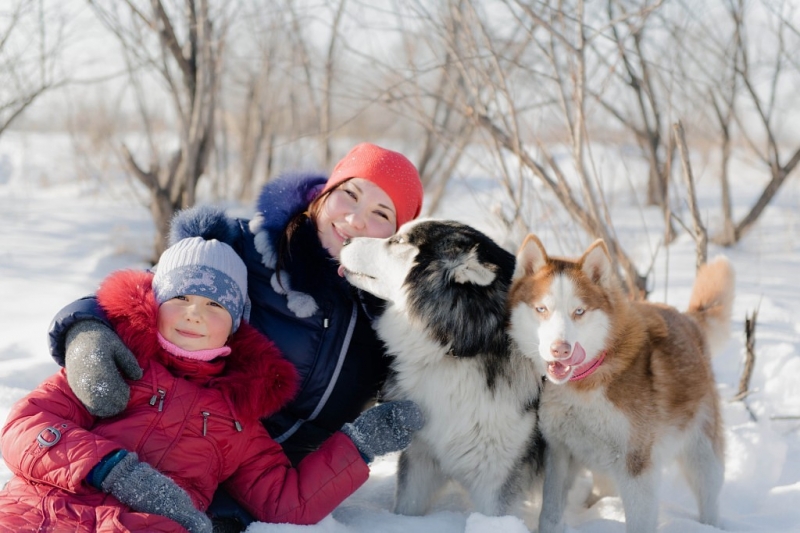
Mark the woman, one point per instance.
(290, 248)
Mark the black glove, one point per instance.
(146, 490)
(93, 354)
(385, 428)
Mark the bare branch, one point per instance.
(700, 234)
(163, 25)
(749, 362)
(32, 42)
(190, 74)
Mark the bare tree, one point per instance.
(625, 55)
(745, 89)
(494, 68)
(640, 83)
(31, 41)
(723, 97)
(429, 99)
(281, 100)
(315, 83)
(179, 46)
(319, 68)
(329, 76)
(542, 91)
(765, 104)
(256, 96)
(700, 235)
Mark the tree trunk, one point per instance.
(162, 210)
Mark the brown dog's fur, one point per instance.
(652, 397)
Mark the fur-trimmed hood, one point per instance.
(255, 377)
(308, 269)
(280, 200)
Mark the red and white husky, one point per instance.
(629, 384)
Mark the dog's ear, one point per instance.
(531, 257)
(470, 269)
(464, 306)
(596, 263)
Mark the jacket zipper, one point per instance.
(207, 414)
(331, 382)
(161, 394)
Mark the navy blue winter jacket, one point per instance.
(320, 322)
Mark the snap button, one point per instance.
(42, 439)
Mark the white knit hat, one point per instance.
(199, 267)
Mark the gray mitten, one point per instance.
(385, 428)
(93, 354)
(144, 489)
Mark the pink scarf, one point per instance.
(197, 355)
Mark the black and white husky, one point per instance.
(445, 326)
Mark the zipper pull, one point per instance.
(163, 393)
(325, 323)
(237, 425)
(205, 422)
(153, 399)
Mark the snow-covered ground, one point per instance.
(61, 236)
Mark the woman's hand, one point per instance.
(385, 428)
(95, 355)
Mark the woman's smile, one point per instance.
(356, 208)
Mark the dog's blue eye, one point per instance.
(579, 311)
(540, 309)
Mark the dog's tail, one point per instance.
(712, 300)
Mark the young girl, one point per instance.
(192, 421)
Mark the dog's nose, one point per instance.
(346, 242)
(560, 349)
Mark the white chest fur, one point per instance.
(587, 423)
(468, 422)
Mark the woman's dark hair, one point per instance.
(311, 213)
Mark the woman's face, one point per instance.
(356, 208)
(194, 323)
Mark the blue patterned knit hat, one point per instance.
(199, 267)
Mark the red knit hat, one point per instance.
(391, 171)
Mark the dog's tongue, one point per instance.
(340, 271)
(577, 357)
(559, 370)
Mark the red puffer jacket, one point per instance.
(196, 422)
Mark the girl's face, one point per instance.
(194, 323)
(356, 208)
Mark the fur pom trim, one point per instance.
(280, 283)
(279, 201)
(127, 298)
(203, 221)
(262, 242)
(301, 304)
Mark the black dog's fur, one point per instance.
(446, 324)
